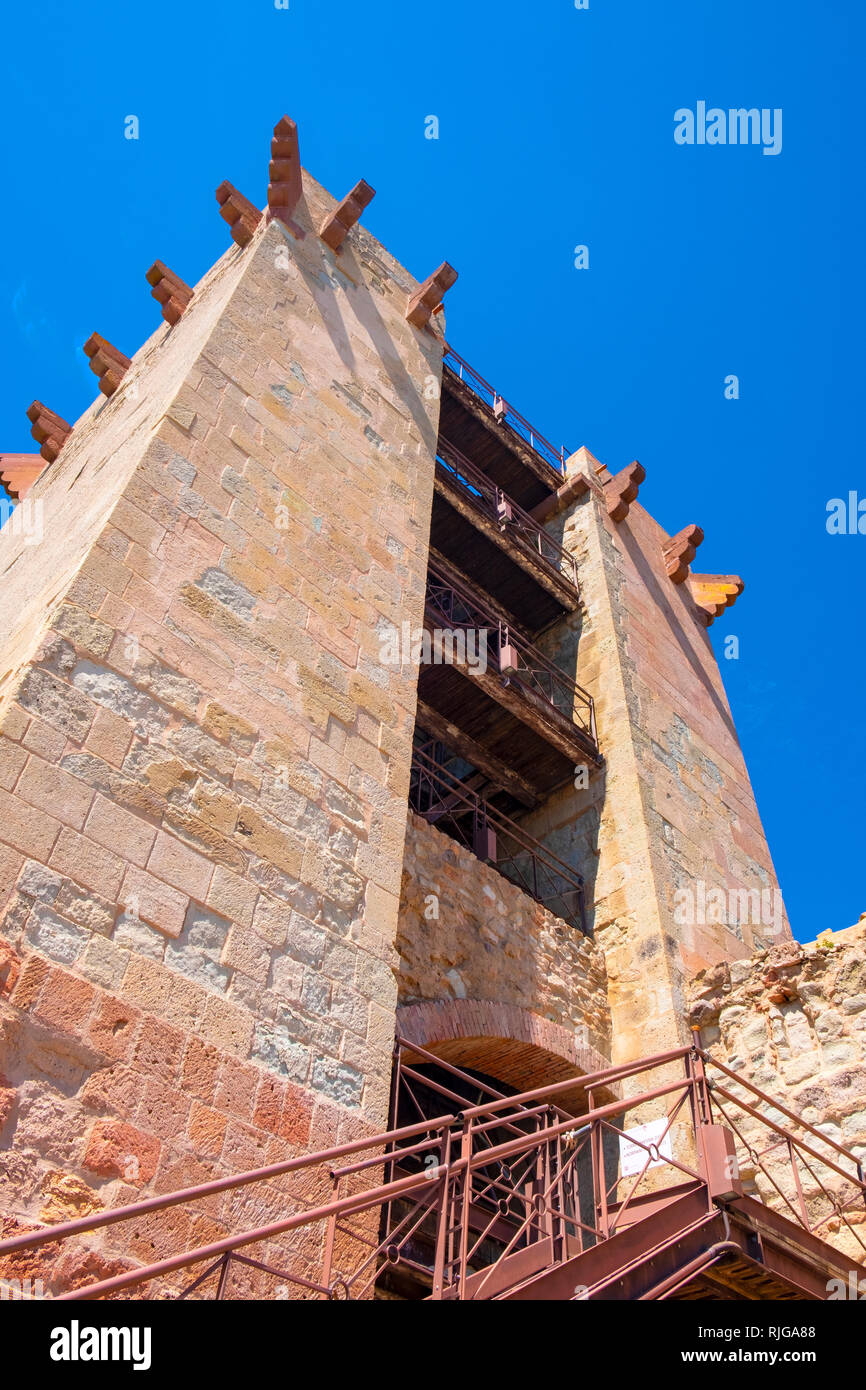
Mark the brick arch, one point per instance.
(505, 1041)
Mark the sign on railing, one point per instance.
(456, 607)
(489, 499)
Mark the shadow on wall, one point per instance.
(568, 822)
(352, 275)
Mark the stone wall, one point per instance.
(203, 764)
(792, 1021)
(673, 807)
(465, 932)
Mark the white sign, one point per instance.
(632, 1157)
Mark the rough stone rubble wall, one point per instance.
(465, 932)
(204, 766)
(792, 1021)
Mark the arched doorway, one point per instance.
(513, 1178)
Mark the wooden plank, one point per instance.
(484, 761)
(517, 550)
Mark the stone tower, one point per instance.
(241, 846)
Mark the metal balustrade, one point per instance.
(511, 519)
(479, 1200)
(506, 413)
(457, 608)
(444, 800)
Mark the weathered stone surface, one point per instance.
(780, 1021)
(465, 931)
(183, 846)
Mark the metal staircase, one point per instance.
(668, 1178)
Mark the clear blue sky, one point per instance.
(556, 129)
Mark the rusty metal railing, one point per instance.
(502, 411)
(457, 608)
(512, 520)
(444, 800)
(480, 1196)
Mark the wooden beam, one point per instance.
(49, 430)
(622, 489)
(680, 550)
(713, 593)
(239, 212)
(109, 364)
(480, 758)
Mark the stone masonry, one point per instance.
(468, 933)
(203, 767)
(792, 1021)
(216, 910)
(673, 806)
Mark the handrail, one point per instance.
(504, 412)
(485, 1199)
(777, 1105)
(532, 668)
(81, 1224)
(503, 509)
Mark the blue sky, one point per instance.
(555, 129)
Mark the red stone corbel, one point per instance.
(429, 296)
(622, 489)
(49, 430)
(285, 187)
(680, 550)
(19, 472)
(107, 362)
(713, 593)
(334, 228)
(169, 291)
(239, 212)
(556, 502)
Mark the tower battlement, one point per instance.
(239, 850)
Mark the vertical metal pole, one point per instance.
(388, 1168)
(560, 1230)
(599, 1180)
(800, 1198)
(544, 1169)
(444, 1216)
(224, 1273)
(328, 1254)
(699, 1102)
(466, 1155)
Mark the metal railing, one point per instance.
(444, 800)
(480, 1197)
(506, 413)
(457, 608)
(511, 519)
